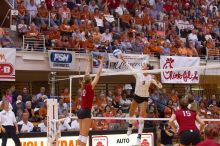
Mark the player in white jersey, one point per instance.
(143, 82)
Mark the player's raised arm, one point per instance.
(96, 79)
(201, 122)
(126, 62)
(87, 71)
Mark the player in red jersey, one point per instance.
(84, 114)
(189, 133)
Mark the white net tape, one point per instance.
(110, 73)
(128, 118)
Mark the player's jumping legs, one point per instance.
(84, 132)
(80, 129)
(132, 110)
(142, 114)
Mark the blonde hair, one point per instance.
(184, 103)
(87, 79)
(3, 103)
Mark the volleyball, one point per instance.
(117, 53)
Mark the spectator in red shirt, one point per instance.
(168, 7)
(113, 4)
(212, 134)
(48, 4)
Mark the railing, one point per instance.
(34, 43)
(38, 43)
(11, 3)
(213, 54)
(3, 21)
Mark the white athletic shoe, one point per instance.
(129, 132)
(138, 143)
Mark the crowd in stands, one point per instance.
(159, 27)
(5, 39)
(31, 110)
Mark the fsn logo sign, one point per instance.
(59, 57)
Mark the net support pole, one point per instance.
(53, 133)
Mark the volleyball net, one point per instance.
(54, 132)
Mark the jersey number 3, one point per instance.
(186, 113)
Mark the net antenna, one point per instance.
(52, 82)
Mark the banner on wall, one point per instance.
(147, 139)
(61, 59)
(42, 141)
(7, 64)
(135, 60)
(113, 64)
(189, 76)
(184, 26)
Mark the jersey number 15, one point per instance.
(186, 113)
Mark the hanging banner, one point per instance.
(189, 76)
(184, 26)
(7, 64)
(109, 18)
(99, 22)
(61, 59)
(135, 60)
(113, 64)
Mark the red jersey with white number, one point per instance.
(186, 120)
(87, 96)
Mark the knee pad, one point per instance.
(79, 138)
(141, 121)
(84, 139)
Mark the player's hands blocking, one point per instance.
(120, 56)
